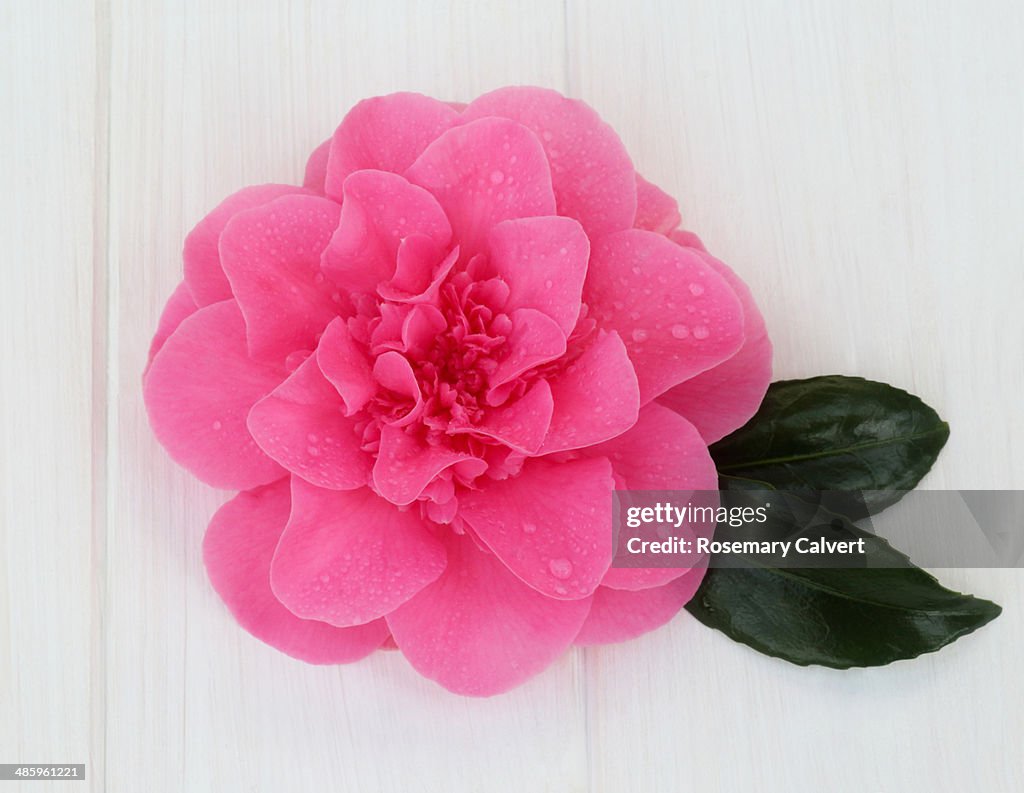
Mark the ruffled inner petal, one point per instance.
(595, 398)
(379, 210)
(406, 464)
(301, 424)
(544, 262)
(345, 364)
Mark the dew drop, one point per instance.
(548, 284)
(696, 290)
(313, 451)
(639, 334)
(529, 528)
(680, 331)
(497, 177)
(700, 332)
(560, 568)
(217, 425)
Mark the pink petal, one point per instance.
(478, 630)
(379, 210)
(596, 397)
(676, 315)
(301, 425)
(483, 173)
(348, 557)
(271, 255)
(345, 364)
(316, 168)
(617, 614)
(724, 398)
(592, 174)
(406, 464)
(420, 271)
(520, 425)
(203, 274)
(237, 550)
(687, 239)
(385, 133)
(662, 451)
(394, 372)
(421, 328)
(198, 393)
(535, 338)
(179, 305)
(656, 210)
(551, 525)
(544, 262)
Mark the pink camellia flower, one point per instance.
(428, 368)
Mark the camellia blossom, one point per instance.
(426, 370)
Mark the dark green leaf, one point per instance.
(835, 433)
(867, 616)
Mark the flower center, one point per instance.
(454, 373)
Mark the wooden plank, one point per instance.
(48, 86)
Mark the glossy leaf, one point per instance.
(836, 433)
(871, 615)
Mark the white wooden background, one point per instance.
(860, 163)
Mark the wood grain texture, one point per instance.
(858, 163)
(48, 87)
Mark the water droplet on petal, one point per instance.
(700, 332)
(639, 335)
(680, 331)
(217, 425)
(560, 568)
(497, 177)
(529, 528)
(696, 289)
